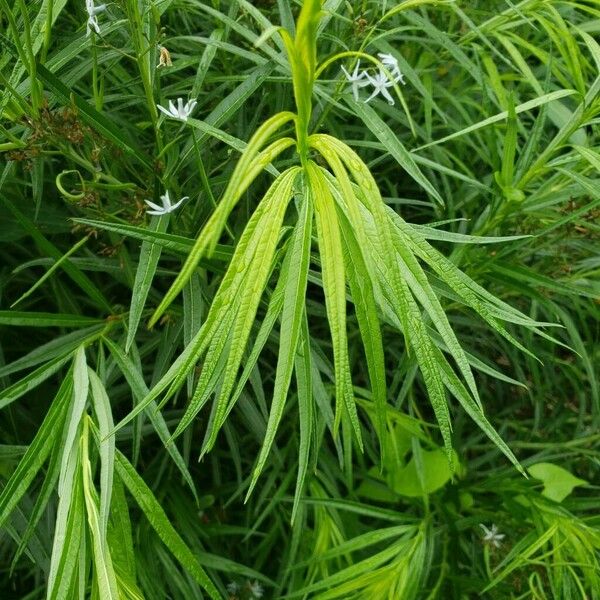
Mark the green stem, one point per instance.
(205, 182)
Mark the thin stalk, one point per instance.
(205, 182)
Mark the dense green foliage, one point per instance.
(359, 361)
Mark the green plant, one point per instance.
(366, 280)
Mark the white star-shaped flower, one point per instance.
(92, 11)
(181, 111)
(166, 207)
(380, 83)
(256, 589)
(232, 588)
(357, 79)
(390, 62)
(492, 535)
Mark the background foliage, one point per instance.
(500, 120)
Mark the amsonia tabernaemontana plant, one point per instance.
(361, 243)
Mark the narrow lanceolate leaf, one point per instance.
(70, 491)
(104, 573)
(140, 391)
(238, 284)
(227, 295)
(49, 249)
(69, 537)
(61, 346)
(31, 381)
(291, 321)
(258, 273)
(341, 185)
(334, 286)
(156, 516)
(472, 294)
(120, 537)
(80, 395)
(177, 244)
(149, 257)
(48, 436)
(101, 404)
(303, 370)
(363, 297)
(420, 287)
(370, 195)
(410, 317)
(529, 105)
(193, 309)
(273, 311)
(213, 229)
(16, 318)
(394, 146)
(398, 293)
(458, 390)
(250, 164)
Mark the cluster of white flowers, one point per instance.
(380, 82)
(181, 112)
(93, 11)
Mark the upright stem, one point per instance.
(303, 57)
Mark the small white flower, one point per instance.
(166, 207)
(391, 64)
(380, 83)
(181, 111)
(491, 535)
(232, 588)
(357, 79)
(256, 589)
(92, 11)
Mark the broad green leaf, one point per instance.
(558, 482)
(436, 472)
